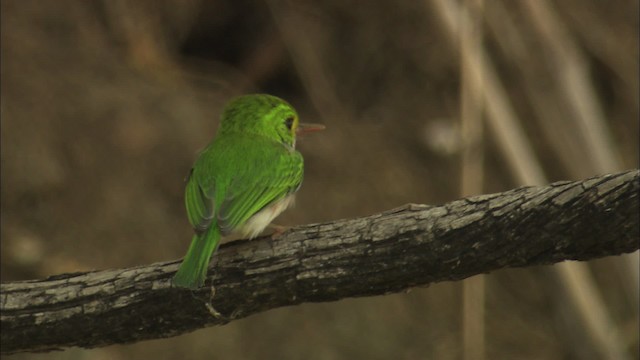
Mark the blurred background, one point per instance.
(105, 105)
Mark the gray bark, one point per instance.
(379, 254)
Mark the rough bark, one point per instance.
(374, 255)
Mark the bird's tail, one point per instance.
(193, 270)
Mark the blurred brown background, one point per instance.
(105, 105)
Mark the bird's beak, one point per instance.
(308, 128)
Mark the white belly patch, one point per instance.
(260, 220)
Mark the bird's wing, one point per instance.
(276, 172)
(199, 205)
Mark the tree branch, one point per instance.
(374, 255)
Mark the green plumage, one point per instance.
(242, 180)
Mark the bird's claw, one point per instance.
(278, 230)
(209, 305)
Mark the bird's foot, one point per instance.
(209, 305)
(278, 230)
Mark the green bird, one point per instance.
(246, 177)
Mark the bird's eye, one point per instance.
(289, 122)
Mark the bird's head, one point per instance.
(264, 115)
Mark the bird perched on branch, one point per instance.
(246, 177)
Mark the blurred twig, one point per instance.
(560, 127)
(527, 169)
(510, 137)
(612, 42)
(587, 122)
(473, 309)
(375, 255)
(571, 67)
